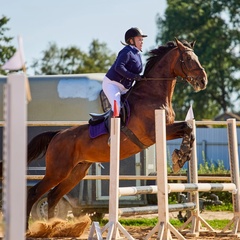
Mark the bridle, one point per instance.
(183, 65)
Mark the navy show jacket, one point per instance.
(127, 66)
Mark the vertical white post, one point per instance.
(114, 178)
(113, 226)
(164, 227)
(234, 168)
(193, 178)
(163, 213)
(195, 218)
(233, 160)
(14, 186)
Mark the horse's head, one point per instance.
(189, 67)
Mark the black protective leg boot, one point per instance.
(109, 127)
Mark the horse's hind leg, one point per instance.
(35, 192)
(179, 157)
(77, 174)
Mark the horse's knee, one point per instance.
(187, 127)
(192, 139)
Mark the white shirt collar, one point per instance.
(134, 47)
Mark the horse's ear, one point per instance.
(179, 44)
(176, 40)
(193, 44)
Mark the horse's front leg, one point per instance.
(180, 156)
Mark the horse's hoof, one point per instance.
(175, 156)
(176, 168)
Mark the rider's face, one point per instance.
(138, 42)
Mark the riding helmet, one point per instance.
(133, 32)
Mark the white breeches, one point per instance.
(113, 90)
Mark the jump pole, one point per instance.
(179, 187)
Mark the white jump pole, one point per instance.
(15, 142)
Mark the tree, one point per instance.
(215, 25)
(6, 50)
(72, 60)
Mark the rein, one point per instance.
(158, 79)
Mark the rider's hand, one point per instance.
(138, 78)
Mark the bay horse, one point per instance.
(69, 153)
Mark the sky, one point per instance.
(78, 22)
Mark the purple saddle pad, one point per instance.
(97, 130)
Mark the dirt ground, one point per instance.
(142, 232)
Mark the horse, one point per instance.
(69, 153)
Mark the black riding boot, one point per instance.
(109, 127)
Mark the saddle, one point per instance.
(103, 117)
(98, 124)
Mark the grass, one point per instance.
(221, 208)
(146, 222)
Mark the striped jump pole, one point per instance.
(179, 187)
(130, 211)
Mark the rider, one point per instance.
(126, 68)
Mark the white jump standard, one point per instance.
(164, 229)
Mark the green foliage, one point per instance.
(215, 25)
(134, 222)
(6, 50)
(218, 224)
(208, 167)
(72, 60)
(227, 206)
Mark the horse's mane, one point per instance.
(156, 54)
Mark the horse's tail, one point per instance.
(39, 144)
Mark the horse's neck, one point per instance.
(159, 92)
(164, 69)
(153, 94)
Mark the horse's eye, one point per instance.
(188, 58)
